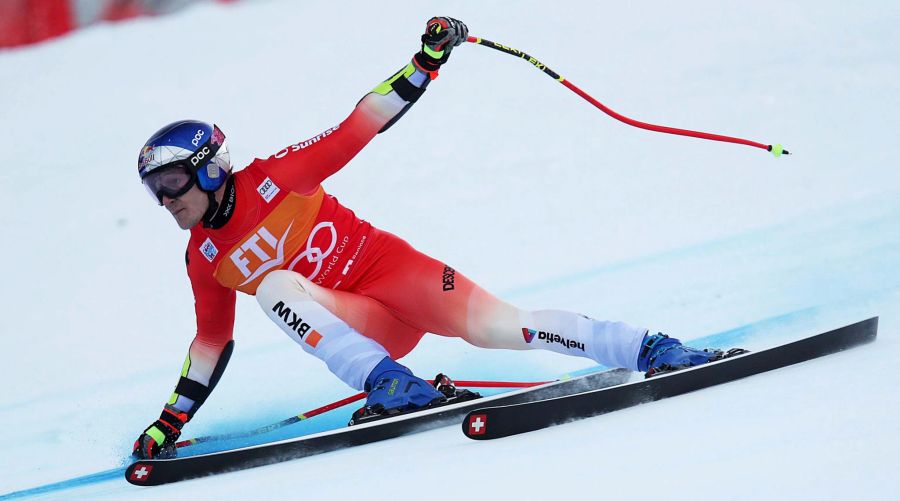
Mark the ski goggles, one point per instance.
(174, 179)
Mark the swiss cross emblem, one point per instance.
(141, 473)
(477, 424)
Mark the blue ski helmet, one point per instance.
(182, 154)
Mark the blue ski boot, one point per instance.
(394, 389)
(661, 353)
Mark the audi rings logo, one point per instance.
(315, 255)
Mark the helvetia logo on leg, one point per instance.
(549, 337)
(528, 334)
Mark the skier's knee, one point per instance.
(499, 333)
(282, 285)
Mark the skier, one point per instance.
(354, 296)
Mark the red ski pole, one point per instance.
(776, 149)
(273, 426)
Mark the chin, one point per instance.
(186, 223)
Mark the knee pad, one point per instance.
(280, 285)
(285, 298)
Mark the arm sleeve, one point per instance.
(212, 346)
(304, 165)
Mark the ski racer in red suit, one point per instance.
(354, 296)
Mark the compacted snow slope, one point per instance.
(511, 179)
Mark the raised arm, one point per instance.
(304, 165)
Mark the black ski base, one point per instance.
(502, 421)
(149, 472)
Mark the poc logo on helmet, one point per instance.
(197, 137)
(196, 158)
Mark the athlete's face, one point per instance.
(188, 209)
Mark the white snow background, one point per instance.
(513, 180)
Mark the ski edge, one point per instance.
(348, 436)
(855, 334)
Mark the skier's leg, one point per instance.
(434, 297)
(330, 325)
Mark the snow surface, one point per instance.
(525, 188)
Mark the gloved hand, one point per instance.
(158, 440)
(441, 35)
